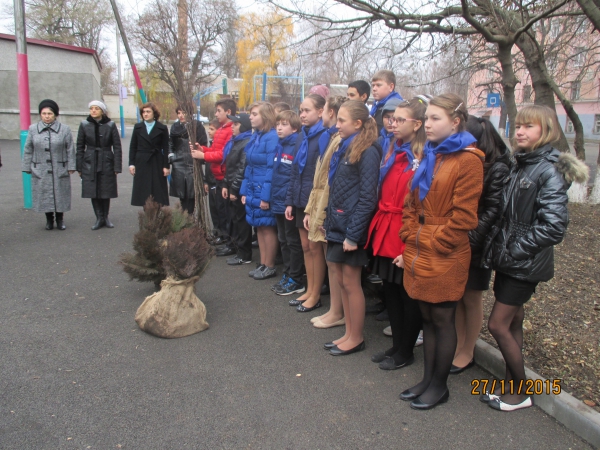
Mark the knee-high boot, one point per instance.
(105, 208)
(49, 221)
(99, 211)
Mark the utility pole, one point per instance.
(23, 83)
(122, 116)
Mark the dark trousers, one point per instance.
(189, 204)
(219, 211)
(291, 247)
(241, 236)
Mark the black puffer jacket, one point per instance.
(353, 198)
(488, 210)
(235, 166)
(99, 156)
(180, 157)
(535, 218)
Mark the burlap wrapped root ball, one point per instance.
(175, 311)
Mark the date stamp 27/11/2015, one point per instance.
(524, 387)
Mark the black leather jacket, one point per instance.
(180, 157)
(488, 210)
(535, 217)
(235, 165)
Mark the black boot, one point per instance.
(49, 221)
(98, 209)
(105, 208)
(60, 224)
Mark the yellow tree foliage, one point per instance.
(263, 47)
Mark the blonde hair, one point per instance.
(368, 131)
(544, 117)
(290, 117)
(454, 106)
(417, 108)
(385, 75)
(267, 113)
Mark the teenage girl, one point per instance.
(469, 311)
(397, 168)
(440, 211)
(353, 179)
(301, 182)
(534, 219)
(315, 213)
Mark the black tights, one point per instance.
(506, 325)
(50, 216)
(405, 320)
(188, 204)
(439, 345)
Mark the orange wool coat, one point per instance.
(437, 253)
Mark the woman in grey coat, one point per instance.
(99, 159)
(49, 156)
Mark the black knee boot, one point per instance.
(60, 224)
(105, 208)
(49, 221)
(99, 211)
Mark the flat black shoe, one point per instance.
(225, 252)
(454, 370)
(302, 308)
(390, 363)
(296, 302)
(418, 404)
(408, 395)
(378, 357)
(382, 316)
(49, 225)
(335, 351)
(329, 345)
(60, 225)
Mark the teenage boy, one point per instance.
(234, 158)
(213, 155)
(287, 126)
(382, 86)
(359, 90)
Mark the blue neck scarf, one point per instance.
(325, 138)
(285, 141)
(424, 174)
(386, 139)
(385, 167)
(149, 125)
(379, 104)
(229, 145)
(338, 155)
(307, 133)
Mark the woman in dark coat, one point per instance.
(148, 158)
(99, 160)
(182, 163)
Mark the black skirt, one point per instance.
(513, 292)
(387, 270)
(336, 254)
(479, 279)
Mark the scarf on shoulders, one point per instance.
(307, 134)
(380, 103)
(387, 165)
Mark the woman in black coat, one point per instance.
(148, 158)
(182, 163)
(99, 160)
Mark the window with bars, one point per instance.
(575, 90)
(597, 124)
(569, 126)
(527, 93)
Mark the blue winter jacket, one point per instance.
(282, 169)
(301, 183)
(256, 186)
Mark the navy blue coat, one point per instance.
(353, 198)
(301, 183)
(282, 170)
(257, 178)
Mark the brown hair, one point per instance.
(417, 107)
(385, 75)
(454, 106)
(281, 106)
(267, 113)
(334, 102)
(227, 104)
(318, 101)
(368, 131)
(544, 117)
(290, 117)
(215, 124)
(153, 107)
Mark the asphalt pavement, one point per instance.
(77, 373)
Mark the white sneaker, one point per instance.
(387, 331)
(501, 406)
(419, 341)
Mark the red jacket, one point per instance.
(214, 153)
(383, 232)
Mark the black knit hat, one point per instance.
(244, 120)
(49, 104)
